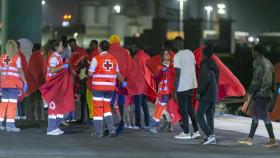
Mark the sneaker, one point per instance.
(55, 132)
(60, 131)
(2, 128)
(12, 129)
(196, 135)
(210, 140)
(153, 130)
(183, 136)
(146, 127)
(96, 135)
(271, 144)
(136, 127)
(112, 134)
(247, 141)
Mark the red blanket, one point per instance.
(229, 85)
(129, 70)
(154, 63)
(35, 72)
(59, 90)
(24, 65)
(141, 57)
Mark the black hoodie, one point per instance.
(208, 81)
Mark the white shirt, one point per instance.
(94, 64)
(185, 61)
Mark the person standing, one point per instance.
(12, 76)
(207, 94)
(165, 88)
(79, 63)
(260, 93)
(104, 71)
(184, 83)
(54, 65)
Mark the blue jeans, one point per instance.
(141, 101)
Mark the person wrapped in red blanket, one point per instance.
(57, 92)
(79, 63)
(229, 85)
(165, 78)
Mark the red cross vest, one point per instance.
(10, 77)
(49, 75)
(166, 82)
(105, 76)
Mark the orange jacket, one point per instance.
(10, 77)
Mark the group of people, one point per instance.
(103, 73)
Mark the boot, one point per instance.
(247, 141)
(272, 143)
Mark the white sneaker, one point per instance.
(136, 127)
(2, 128)
(60, 131)
(12, 129)
(55, 132)
(183, 136)
(210, 140)
(196, 135)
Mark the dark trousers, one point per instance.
(141, 101)
(186, 109)
(206, 109)
(21, 108)
(83, 101)
(36, 106)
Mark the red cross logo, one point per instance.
(108, 65)
(7, 61)
(52, 105)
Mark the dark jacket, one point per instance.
(208, 81)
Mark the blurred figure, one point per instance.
(36, 75)
(21, 108)
(93, 49)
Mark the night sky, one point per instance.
(254, 16)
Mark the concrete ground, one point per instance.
(32, 142)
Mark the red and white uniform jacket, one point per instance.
(104, 68)
(10, 77)
(55, 61)
(165, 80)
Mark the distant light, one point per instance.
(181, 0)
(43, 2)
(257, 40)
(65, 23)
(75, 34)
(117, 9)
(251, 39)
(221, 6)
(208, 8)
(65, 17)
(222, 11)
